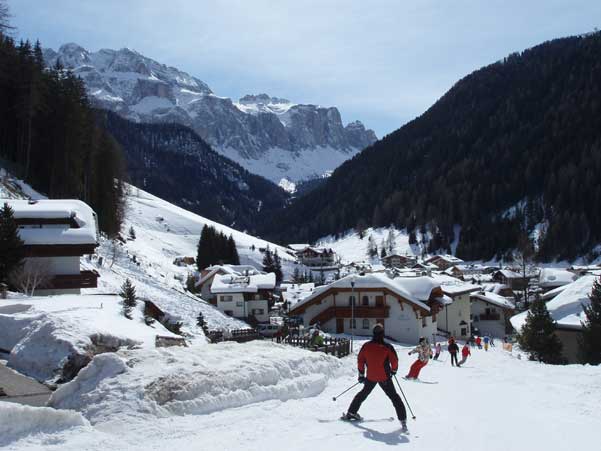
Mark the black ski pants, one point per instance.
(390, 391)
(454, 359)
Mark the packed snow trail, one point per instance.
(495, 402)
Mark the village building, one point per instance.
(455, 318)
(245, 297)
(454, 271)
(566, 309)
(205, 280)
(398, 261)
(406, 306)
(56, 233)
(551, 278)
(514, 280)
(317, 257)
(490, 314)
(444, 261)
(293, 293)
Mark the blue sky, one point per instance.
(383, 62)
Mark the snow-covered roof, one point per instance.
(555, 277)
(508, 274)
(298, 247)
(446, 257)
(453, 286)
(566, 307)
(493, 298)
(495, 288)
(68, 209)
(414, 289)
(235, 270)
(228, 283)
(554, 292)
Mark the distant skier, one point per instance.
(479, 342)
(382, 364)
(453, 350)
(492, 341)
(437, 351)
(486, 342)
(424, 354)
(465, 352)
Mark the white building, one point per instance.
(566, 308)
(244, 296)
(454, 318)
(491, 313)
(407, 307)
(56, 233)
(203, 285)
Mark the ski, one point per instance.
(420, 381)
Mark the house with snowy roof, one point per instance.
(490, 314)
(56, 233)
(244, 296)
(454, 319)
(293, 293)
(444, 261)
(406, 306)
(566, 309)
(398, 261)
(205, 280)
(551, 278)
(514, 280)
(316, 256)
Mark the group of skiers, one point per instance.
(382, 364)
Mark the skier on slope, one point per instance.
(424, 354)
(382, 364)
(465, 352)
(453, 350)
(486, 341)
(437, 351)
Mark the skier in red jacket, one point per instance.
(382, 364)
(465, 352)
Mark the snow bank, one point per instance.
(18, 421)
(42, 338)
(196, 380)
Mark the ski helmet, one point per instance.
(378, 330)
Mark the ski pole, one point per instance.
(334, 398)
(404, 397)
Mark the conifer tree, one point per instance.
(11, 246)
(277, 267)
(296, 276)
(234, 258)
(268, 262)
(590, 342)
(132, 233)
(538, 335)
(128, 294)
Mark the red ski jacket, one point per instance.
(465, 351)
(380, 359)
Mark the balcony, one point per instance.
(490, 317)
(85, 279)
(346, 312)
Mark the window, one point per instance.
(365, 324)
(365, 300)
(353, 323)
(227, 298)
(351, 300)
(257, 297)
(424, 323)
(463, 331)
(476, 318)
(239, 304)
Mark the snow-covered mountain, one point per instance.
(269, 136)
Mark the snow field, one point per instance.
(18, 421)
(145, 384)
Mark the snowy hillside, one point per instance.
(268, 136)
(141, 400)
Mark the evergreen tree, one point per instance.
(538, 335)
(277, 268)
(128, 294)
(590, 342)
(11, 246)
(268, 262)
(382, 251)
(296, 276)
(390, 241)
(234, 258)
(372, 248)
(132, 233)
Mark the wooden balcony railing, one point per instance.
(346, 312)
(85, 279)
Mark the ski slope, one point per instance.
(495, 402)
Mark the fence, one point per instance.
(339, 347)
(237, 335)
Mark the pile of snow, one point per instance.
(18, 421)
(43, 337)
(196, 380)
(567, 307)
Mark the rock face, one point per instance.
(270, 136)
